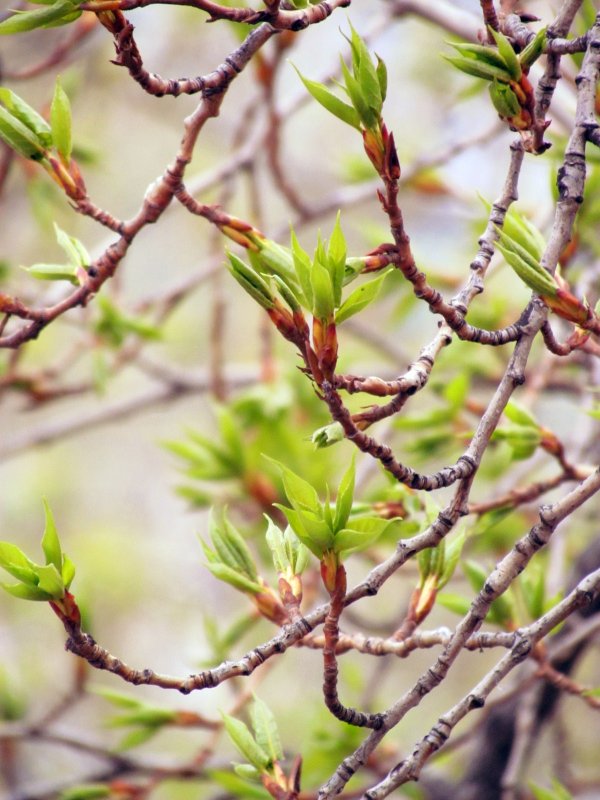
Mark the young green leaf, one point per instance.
(361, 533)
(328, 435)
(50, 541)
(323, 297)
(382, 77)
(250, 280)
(299, 492)
(19, 137)
(27, 115)
(526, 267)
(312, 531)
(74, 249)
(534, 49)
(245, 743)
(265, 729)
(234, 578)
(479, 69)
(336, 260)
(54, 272)
(276, 544)
(89, 791)
(343, 503)
(454, 602)
(368, 117)
(247, 771)
(452, 555)
(360, 298)
(25, 592)
(59, 13)
(50, 581)
(505, 101)
(506, 51)
(329, 101)
(477, 52)
(519, 415)
(303, 267)
(60, 121)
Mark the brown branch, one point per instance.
(330, 666)
(464, 467)
(496, 584)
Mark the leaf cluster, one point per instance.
(27, 132)
(313, 284)
(261, 746)
(145, 719)
(52, 14)
(325, 527)
(38, 582)
(365, 87)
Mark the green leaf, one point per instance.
(479, 53)
(303, 267)
(519, 415)
(369, 84)
(299, 492)
(231, 435)
(276, 544)
(245, 743)
(54, 272)
(505, 49)
(19, 137)
(298, 553)
(27, 115)
(60, 120)
(534, 49)
(364, 531)
(50, 541)
(137, 737)
(24, 592)
(382, 78)
(145, 715)
(454, 547)
(274, 259)
(366, 73)
(231, 548)
(117, 698)
(247, 771)
(329, 101)
(22, 21)
(454, 602)
(360, 298)
(74, 249)
(237, 786)
(16, 563)
(250, 280)
(328, 435)
(479, 69)
(368, 117)
(530, 272)
(343, 503)
(504, 99)
(558, 792)
(50, 581)
(313, 533)
(265, 729)
(533, 581)
(234, 578)
(323, 297)
(336, 258)
(91, 791)
(239, 549)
